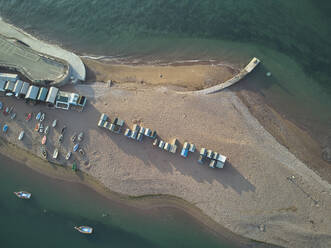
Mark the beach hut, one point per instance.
(140, 137)
(134, 134)
(127, 133)
(192, 148)
(8, 77)
(210, 154)
(212, 164)
(24, 89)
(148, 132)
(220, 161)
(201, 159)
(32, 92)
(10, 85)
(2, 85)
(51, 96)
(18, 87)
(167, 147)
(42, 94)
(161, 144)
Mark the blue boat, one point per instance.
(84, 229)
(38, 116)
(5, 128)
(184, 153)
(76, 147)
(0, 105)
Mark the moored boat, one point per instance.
(80, 136)
(43, 141)
(23, 194)
(42, 117)
(84, 229)
(20, 137)
(54, 123)
(44, 153)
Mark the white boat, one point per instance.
(42, 117)
(84, 229)
(80, 136)
(23, 194)
(68, 155)
(20, 137)
(46, 130)
(54, 123)
(55, 153)
(13, 115)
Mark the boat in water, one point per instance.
(43, 141)
(76, 147)
(5, 128)
(55, 153)
(84, 229)
(20, 137)
(23, 194)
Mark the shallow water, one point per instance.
(57, 206)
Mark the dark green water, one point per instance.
(292, 38)
(47, 219)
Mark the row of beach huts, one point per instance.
(11, 85)
(214, 159)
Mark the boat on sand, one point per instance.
(20, 137)
(68, 155)
(23, 194)
(84, 229)
(43, 141)
(55, 153)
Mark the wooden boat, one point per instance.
(76, 147)
(54, 123)
(28, 117)
(38, 116)
(68, 155)
(84, 229)
(37, 127)
(5, 128)
(43, 141)
(55, 153)
(20, 137)
(23, 194)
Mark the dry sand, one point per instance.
(254, 195)
(186, 75)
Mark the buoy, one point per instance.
(268, 74)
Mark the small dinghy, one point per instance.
(46, 130)
(44, 153)
(5, 128)
(68, 155)
(38, 116)
(55, 153)
(76, 147)
(23, 194)
(42, 117)
(73, 138)
(20, 137)
(80, 136)
(84, 229)
(37, 127)
(43, 141)
(28, 117)
(13, 115)
(54, 123)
